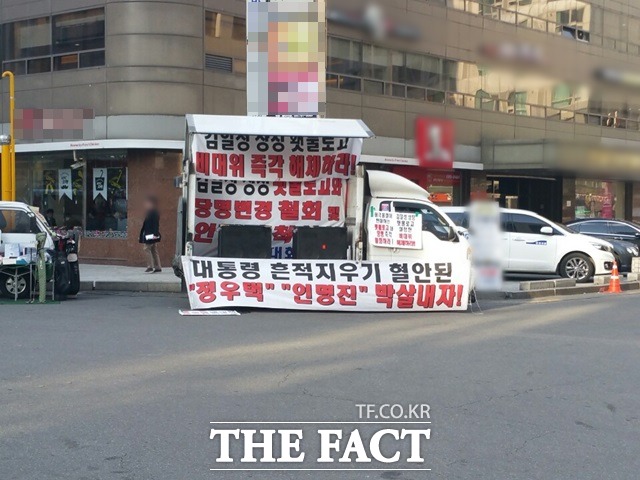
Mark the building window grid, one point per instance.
(46, 63)
(445, 92)
(495, 10)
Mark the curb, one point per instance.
(115, 286)
(553, 292)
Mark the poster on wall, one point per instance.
(395, 229)
(326, 284)
(277, 181)
(65, 184)
(100, 183)
(49, 182)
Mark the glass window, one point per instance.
(64, 189)
(562, 95)
(375, 62)
(397, 67)
(518, 102)
(622, 228)
(76, 31)
(16, 221)
(92, 59)
(39, 65)
(345, 56)
(599, 199)
(225, 35)
(28, 38)
(18, 68)
(107, 216)
(66, 62)
(432, 221)
(594, 227)
(423, 70)
(526, 224)
(459, 218)
(374, 88)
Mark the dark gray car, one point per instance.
(624, 236)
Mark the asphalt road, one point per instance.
(121, 387)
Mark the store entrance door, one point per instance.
(542, 195)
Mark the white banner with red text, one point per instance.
(276, 181)
(280, 205)
(274, 158)
(327, 284)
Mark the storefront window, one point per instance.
(599, 199)
(86, 191)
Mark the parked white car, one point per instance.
(534, 244)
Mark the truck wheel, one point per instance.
(8, 286)
(578, 266)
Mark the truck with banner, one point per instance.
(401, 252)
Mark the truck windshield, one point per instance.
(432, 221)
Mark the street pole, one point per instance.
(5, 173)
(12, 145)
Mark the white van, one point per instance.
(533, 244)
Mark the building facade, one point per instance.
(544, 96)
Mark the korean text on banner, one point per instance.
(395, 229)
(327, 285)
(274, 158)
(276, 181)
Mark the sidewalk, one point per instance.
(130, 279)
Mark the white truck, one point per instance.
(390, 220)
(19, 225)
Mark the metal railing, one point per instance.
(487, 104)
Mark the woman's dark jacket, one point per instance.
(151, 226)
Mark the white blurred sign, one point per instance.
(486, 240)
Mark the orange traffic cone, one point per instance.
(614, 282)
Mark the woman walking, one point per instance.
(150, 235)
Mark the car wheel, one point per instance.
(8, 286)
(578, 266)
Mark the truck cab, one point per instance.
(19, 225)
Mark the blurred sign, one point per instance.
(374, 21)
(486, 240)
(286, 58)
(434, 142)
(54, 124)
